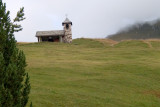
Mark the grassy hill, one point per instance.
(94, 73)
(147, 30)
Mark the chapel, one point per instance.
(63, 36)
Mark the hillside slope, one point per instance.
(90, 73)
(147, 30)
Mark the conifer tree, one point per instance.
(14, 81)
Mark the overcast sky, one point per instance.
(91, 18)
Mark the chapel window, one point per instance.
(67, 26)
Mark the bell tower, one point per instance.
(67, 31)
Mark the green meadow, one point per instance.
(94, 73)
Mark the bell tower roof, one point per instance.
(67, 21)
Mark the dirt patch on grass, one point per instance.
(150, 40)
(24, 42)
(148, 43)
(153, 92)
(107, 41)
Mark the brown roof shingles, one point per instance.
(50, 33)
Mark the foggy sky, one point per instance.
(91, 18)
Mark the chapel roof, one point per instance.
(50, 33)
(67, 21)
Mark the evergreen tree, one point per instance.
(14, 81)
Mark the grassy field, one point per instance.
(94, 73)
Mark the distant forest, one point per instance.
(146, 30)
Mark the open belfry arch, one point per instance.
(63, 36)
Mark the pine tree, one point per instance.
(14, 81)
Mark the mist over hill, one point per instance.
(144, 30)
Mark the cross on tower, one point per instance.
(66, 15)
